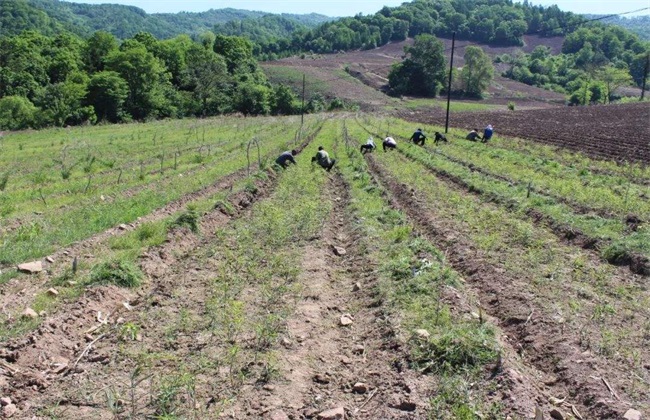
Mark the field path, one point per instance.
(323, 364)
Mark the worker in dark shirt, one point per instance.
(285, 158)
(473, 135)
(418, 137)
(439, 137)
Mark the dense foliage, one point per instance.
(489, 21)
(639, 25)
(52, 17)
(595, 60)
(423, 72)
(64, 80)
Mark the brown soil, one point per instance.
(528, 321)
(616, 132)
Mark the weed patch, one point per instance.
(119, 272)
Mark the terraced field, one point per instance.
(457, 281)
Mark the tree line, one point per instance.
(595, 60)
(65, 80)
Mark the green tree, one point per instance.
(423, 72)
(98, 47)
(16, 113)
(209, 81)
(62, 103)
(477, 72)
(284, 100)
(147, 79)
(107, 93)
(253, 99)
(613, 78)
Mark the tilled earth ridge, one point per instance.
(637, 262)
(566, 370)
(617, 132)
(17, 293)
(358, 368)
(68, 364)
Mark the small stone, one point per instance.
(321, 379)
(285, 342)
(346, 360)
(333, 414)
(9, 410)
(356, 287)
(360, 388)
(60, 368)
(52, 292)
(31, 267)
(556, 414)
(278, 415)
(49, 259)
(122, 226)
(358, 349)
(127, 306)
(138, 337)
(339, 251)
(268, 388)
(5, 401)
(30, 313)
(406, 406)
(101, 197)
(89, 338)
(346, 320)
(423, 334)
(632, 414)
(71, 282)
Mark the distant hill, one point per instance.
(640, 25)
(53, 16)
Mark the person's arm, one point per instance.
(292, 160)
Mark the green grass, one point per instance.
(412, 273)
(73, 215)
(454, 106)
(119, 272)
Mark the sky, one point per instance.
(352, 7)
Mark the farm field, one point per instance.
(455, 281)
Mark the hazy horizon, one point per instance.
(336, 8)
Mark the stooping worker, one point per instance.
(369, 146)
(389, 143)
(323, 159)
(487, 133)
(418, 137)
(439, 137)
(286, 157)
(473, 135)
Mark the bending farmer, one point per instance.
(323, 159)
(285, 158)
(389, 143)
(418, 137)
(369, 146)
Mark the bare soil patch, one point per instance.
(616, 132)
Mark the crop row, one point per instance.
(526, 272)
(57, 228)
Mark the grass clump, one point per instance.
(119, 272)
(189, 218)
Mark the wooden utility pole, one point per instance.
(451, 67)
(302, 109)
(645, 74)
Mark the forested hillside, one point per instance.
(53, 16)
(639, 25)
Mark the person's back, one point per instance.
(389, 143)
(439, 137)
(473, 135)
(418, 137)
(286, 157)
(487, 133)
(323, 159)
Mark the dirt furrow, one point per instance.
(67, 367)
(339, 351)
(541, 340)
(16, 294)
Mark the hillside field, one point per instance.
(183, 275)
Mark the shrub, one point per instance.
(189, 218)
(511, 106)
(119, 272)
